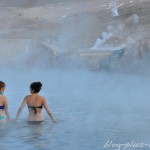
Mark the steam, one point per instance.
(60, 35)
(111, 32)
(24, 53)
(105, 41)
(134, 18)
(105, 36)
(115, 12)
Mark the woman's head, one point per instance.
(35, 87)
(2, 85)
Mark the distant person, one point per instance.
(35, 103)
(4, 114)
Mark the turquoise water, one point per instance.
(93, 108)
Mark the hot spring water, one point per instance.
(92, 108)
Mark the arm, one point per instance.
(21, 108)
(6, 108)
(49, 112)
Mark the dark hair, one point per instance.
(2, 84)
(36, 86)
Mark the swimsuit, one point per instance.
(35, 112)
(35, 122)
(34, 108)
(3, 106)
(3, 117)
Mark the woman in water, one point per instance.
(4, 114)
(35, 103)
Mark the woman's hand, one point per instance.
(12, 120)
(55, 120)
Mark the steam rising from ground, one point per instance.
(38, 37)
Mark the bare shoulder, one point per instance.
(42, 98)
(27, 97)
(5, 98)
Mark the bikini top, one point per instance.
(2, 106)
(34, 108)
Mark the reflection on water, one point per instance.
(92, 107)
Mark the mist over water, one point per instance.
(92, 107)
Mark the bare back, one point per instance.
(2, 103)
(35, 104)
(4, 106)
(1, 100)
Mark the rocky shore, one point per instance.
(65, 28)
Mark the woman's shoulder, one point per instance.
(27, 96)
(41, 97)
(4, 97)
